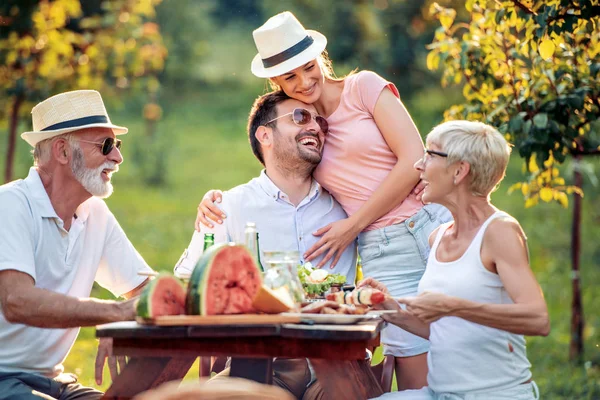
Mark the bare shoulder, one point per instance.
(504, 239)
(504, 228)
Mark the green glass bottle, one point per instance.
(251, 239)
(260, 266)
(209, 240)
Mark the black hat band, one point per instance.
(73, 123)
(288, 53)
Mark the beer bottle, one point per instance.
(359, 271)
(209, 240)
(251, 239)
(260, 266)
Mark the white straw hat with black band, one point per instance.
(283, 45)
(68, 112)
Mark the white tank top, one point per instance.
(465, 356)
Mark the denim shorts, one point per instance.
(525, 391)
(396, 256)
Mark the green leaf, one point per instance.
(540, 134)
(540, 120)
(559, 156)
(515, 124)
(527, 126)
(575, 101)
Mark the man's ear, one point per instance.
(461, 172)
(61, 151)
(264, 135)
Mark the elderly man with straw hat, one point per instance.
(58, 237)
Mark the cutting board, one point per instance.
(240, 319)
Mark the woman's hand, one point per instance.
(418, 190)
(389, 304)
(208, 212)
(335, 238)
(402, 318)
(428, 306)
(373, 284)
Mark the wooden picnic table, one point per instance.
(158, 354)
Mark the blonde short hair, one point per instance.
(481, 145)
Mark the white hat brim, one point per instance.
(34, 137)
(309, 54)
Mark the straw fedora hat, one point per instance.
(283, 45)
(68, 112)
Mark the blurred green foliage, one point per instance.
(533, 70)
(47, 47)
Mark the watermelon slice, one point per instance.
(224, 281)
(162, 296)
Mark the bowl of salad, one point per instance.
(316, 282)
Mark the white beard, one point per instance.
(91, 178)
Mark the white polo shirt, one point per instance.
(33, 241)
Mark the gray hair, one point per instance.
(481, 145)
(43, 149)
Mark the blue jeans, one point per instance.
(396, 256)
(25, 386)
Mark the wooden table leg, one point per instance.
(143, 373)
(342, 379)
(256, 369)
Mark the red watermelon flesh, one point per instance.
(232, 280)
(163, 296)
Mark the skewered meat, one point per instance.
(362, 296)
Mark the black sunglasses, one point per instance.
(107, 145)
(302, 116)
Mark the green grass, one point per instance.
(203, 138)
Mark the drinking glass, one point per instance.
(281, 271)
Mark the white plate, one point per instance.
(340, 319)
(381, 312)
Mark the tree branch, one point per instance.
(585, 152)
(510, 66)
(524, 7)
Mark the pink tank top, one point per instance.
(356, 157)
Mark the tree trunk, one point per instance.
(12, 138)
(577, 323)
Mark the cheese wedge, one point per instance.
(273, 301)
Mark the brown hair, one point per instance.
(263, 110)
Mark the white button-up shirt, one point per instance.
(33, 241)
(281, 225)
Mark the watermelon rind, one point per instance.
(144, 304)
(199, 279)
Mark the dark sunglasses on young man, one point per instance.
(107, 145)
(302, 117)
